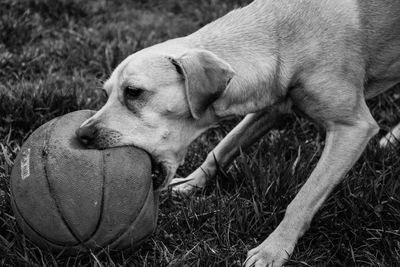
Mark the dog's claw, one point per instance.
(178, 181)
(245, 262)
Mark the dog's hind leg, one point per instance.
(248, 131)
(392, 138)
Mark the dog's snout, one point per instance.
(86, 134)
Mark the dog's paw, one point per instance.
(185, 186)
(272, 252)
(196, 180)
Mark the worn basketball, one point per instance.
(66, 197)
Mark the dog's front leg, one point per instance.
(345, 140)
(249, 130)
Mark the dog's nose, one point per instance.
(86, 134)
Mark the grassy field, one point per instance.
(54, 56)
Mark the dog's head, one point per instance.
(160, 102)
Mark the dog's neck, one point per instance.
(252, 54)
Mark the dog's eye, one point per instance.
(132, 92)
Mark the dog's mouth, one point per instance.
(158, 173)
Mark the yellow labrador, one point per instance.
(321, 57)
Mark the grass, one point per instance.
(54, 56)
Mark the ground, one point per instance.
(54, 56)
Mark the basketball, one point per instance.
(69, 198)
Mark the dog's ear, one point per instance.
(206, 77)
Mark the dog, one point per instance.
(322, 58)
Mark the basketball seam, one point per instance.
(111, 241)
(122, 232)
(52, 195)
(38, 233)
(102, 200)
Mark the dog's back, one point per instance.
(354, 37)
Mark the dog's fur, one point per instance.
(320, 57)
